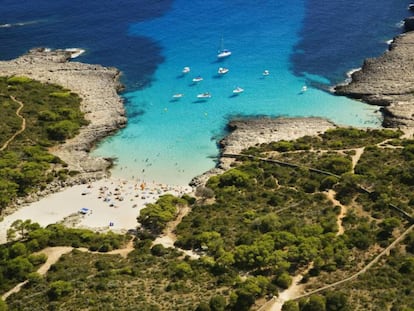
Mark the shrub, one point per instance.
(217, 303)
(62, 130)
(234, 177)
(59, 289)
(18, 80)
(284, 280)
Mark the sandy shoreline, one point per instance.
(105, 201)
(98, 87)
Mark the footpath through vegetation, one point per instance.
(258, 230)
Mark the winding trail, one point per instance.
(384, 252)
(276, 305)
(53, 255)
(23, 127)
(356, 157)
(168, 238)
(331, 197)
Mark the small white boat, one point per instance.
(304, 88)
(186, 70)
(178, 95)
(222, 52)
(204, 95)
(238, 90)
(266, 72)
(197, 79)
(222, 70)
(75, 52)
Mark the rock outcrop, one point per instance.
(388, 81)
(245, 133)
(96, 85)
(409, 23)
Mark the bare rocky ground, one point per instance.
(245, 133)
(388, 81)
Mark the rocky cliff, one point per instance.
(388, 81)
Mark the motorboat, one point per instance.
(222, 70)
(75, 52)
(238, 90)
(197, 79)
(266, 72)
(186, 70)
(204, 95)
(178, 95)
(304, 88)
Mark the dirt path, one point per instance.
(356, 157)
(23, 127)
(168, 238)
(386, 252)
(330, 194)
(293, 291)
(53, 255)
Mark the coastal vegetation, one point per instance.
(326, 208)
(19, 258)
(322, 207)
(35, 117)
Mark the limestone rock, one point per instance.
(388, 81)
(96, 85)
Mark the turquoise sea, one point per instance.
(300, 42)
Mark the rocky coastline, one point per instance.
(249, 132)
(98, 88)
(387, 81)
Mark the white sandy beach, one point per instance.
(107, 201)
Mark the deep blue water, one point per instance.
(298, 41)
(337, 35)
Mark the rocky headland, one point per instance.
(96, 85)
(249, 132)
(388, 81)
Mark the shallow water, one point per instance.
(299, 42)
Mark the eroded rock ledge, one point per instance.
(388, 81)
(95, 84)
(245, 133)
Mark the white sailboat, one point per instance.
(222, 52)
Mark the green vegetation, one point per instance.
(255, 227)
(52, 114)
(18, 259)
(155, 216)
